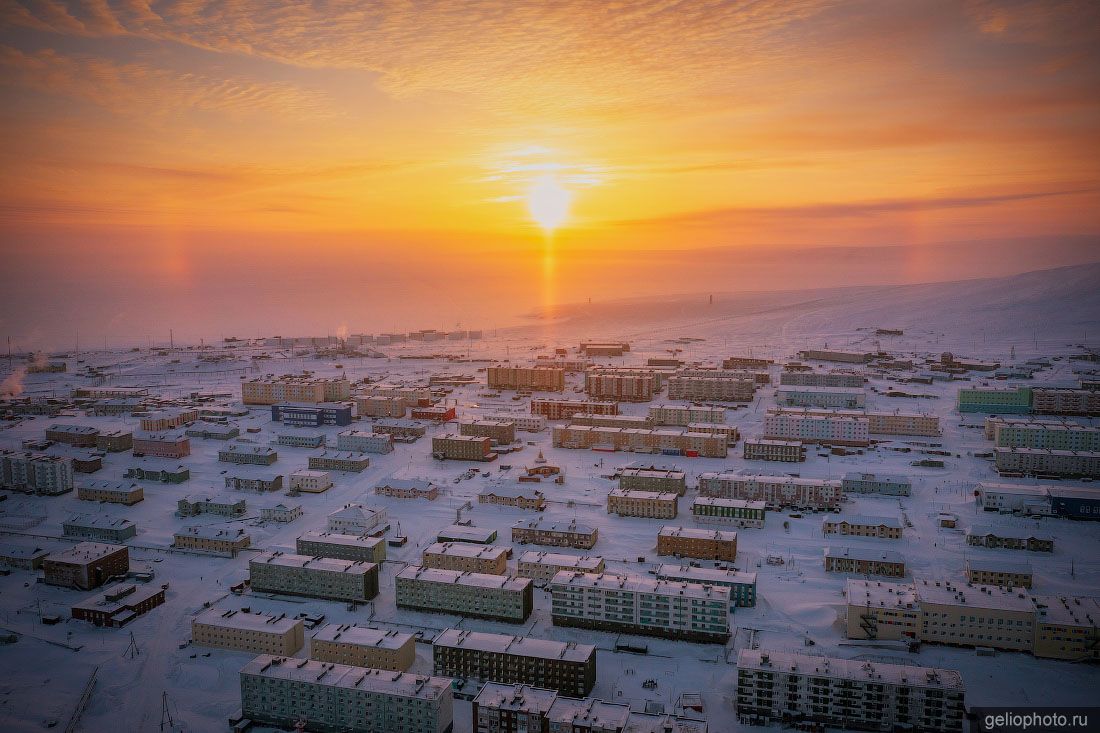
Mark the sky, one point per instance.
(263, 166)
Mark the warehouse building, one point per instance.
(566, 409)
(736, 512)
(860, 525)
(86, 565)
(776, 492)
(467, 533)
(842, 693)
(467, 558)
(281, 691)
(647, 504)
(476, 595)
(110, 492)
(314, 577)
(641, 605)
(1026, 498)
(99, 528)
(543, 566)
(118, 605)
(36, 473)
(658, 479)
(243, 631)
(742, 586)
(865, 561)
(887, 484)
(212, 539)
(360, 646)
(782, 451)
(555, 533)
(338, 460)
(533, 379)
(341, 546)
(566, 667)
(313, 416)
(703, 544)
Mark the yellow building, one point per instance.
(247, 632)
(363, 647)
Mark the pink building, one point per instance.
(161, 445)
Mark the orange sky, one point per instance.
(674, 125)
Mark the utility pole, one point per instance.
(165, 713)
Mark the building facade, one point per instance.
(476, 595)
(566, 667)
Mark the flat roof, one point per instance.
(1068, 611)
(880, 594)
(697, 533)
(705, 575)
(868, 554)
(524, 646)
(362, 636)
(324, 564)
(850, 669)
(863, 520)
(381, 681)
(233, 619)
(719, 501)
(456, 577)
(337, 538)
(558, 559)
(85, 552)
(570, 527)
(467, 549)
(523, 698)
(668, 496)
(640, 584)
(946, 593)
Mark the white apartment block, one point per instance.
(775, 491)
(364, 441)
(526, 423)
(360, 646)
(281, 513)
(280, 691)
(36, 473)
(1027, 498)
(247, 632)
(807, 428)
(357, 519)
(543, 566)
(310, 480)
(314, 577)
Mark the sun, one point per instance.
(548, 202)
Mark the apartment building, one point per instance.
(746, 362)
(281, 513)
(1009, 538)
(1052, 401)
(22, 557)
(281, 691)
(555, 533)
(843, 693)
(161, 445)
(878, 423)
(262, 483)
(341, 546)
(99, 528)
(565, 409)
(462, 448)
(364, 441)
(433, 414)
(847, 380)
(501, 432)
(213, 539)
(1043, 435)
(86, 565)
(79, 436)
(813, 428)
(846, 357)
(534, 379)
(667, 441)
(782, 451)
(703, 544)
(589, 715)
(247, 454)
(206, 431)
(466, 557)
(711, 389)
(301, 440)
(735, 512)
(118, 605)
(313, 415)
(887, 484)
(476, 595)
(611, 421)
(164, 420)
(543, 566)
(566, 667)
(525, 423)
(975, 616)
(403, 431)
(647, 504)
(1067, 628)
(225, 505)
(375, 406)
(727, 432)
(682, 416)
(861, 525)
(358, 519)
(243, 631)
(110, 492)
(115, 441)
(271, 391)
(412, 488)
(310, 481)
(828, 397)
(741, 586)
(641, 605)
(1043, 462)
(500, 708)
(519, 496)
(101, 392)
(776, 492)
(338, 460)
(361, 646)
(998, 400)
(621, 387)
(36, 473)
(1001, 573)
(314, 577)
(176, 475)
(661, 480)
(865, 561)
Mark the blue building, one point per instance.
(1075, 502)
(312, 415)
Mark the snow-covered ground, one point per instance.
(1047, 315)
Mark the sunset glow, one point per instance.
(548, 203)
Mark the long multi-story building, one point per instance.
(878, 423)
(1000, 573)
(115, 441)
(821, 379)
(847, 357)
(734, 512)
(462, 448)
(543, 566)
(353, 547)
(501, 432)
(244, 631)
(110, 492)
(644, 605)
(704, 544)
(403, 431)
(682, 416)
(843, 693)
(361, 646)
(467, 557)
(648, 504)
(433, 413)
(315, 577)
(99, 528)
(1061, 401)
(814, 428)
(866, 561)
(338, 460)
(86, 565)
(261, 483)
(224, 505)
(301, 440)
(534, 379)
(711, 389)
(567, 667)
(36, 473)
(313, 415)
(611, 421)
(526, 423)
(997, 400)
(161, 445)
(476, 595)
(1027, 498)
(1009, 538)
(859, 525)
(746, 362)
(247, 454)
(656, 479)
(80, 436)
(667, 441)
(357, 519)
(603, 348)
(521, 496)
(377, 406)
(1044, 462)
(213, 539)
(742, 586)
(775, 491)
(838, 397)
(364, 441)
(783, 451)
(500, 708)
(619, 386)
(163, 420)
(887, 484)
(412, 488)
(555, 533)
(271, 391)
(558, 409)
(1067, 628)
(1043, 435)
(282, 691)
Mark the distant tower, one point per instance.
(711, 299)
